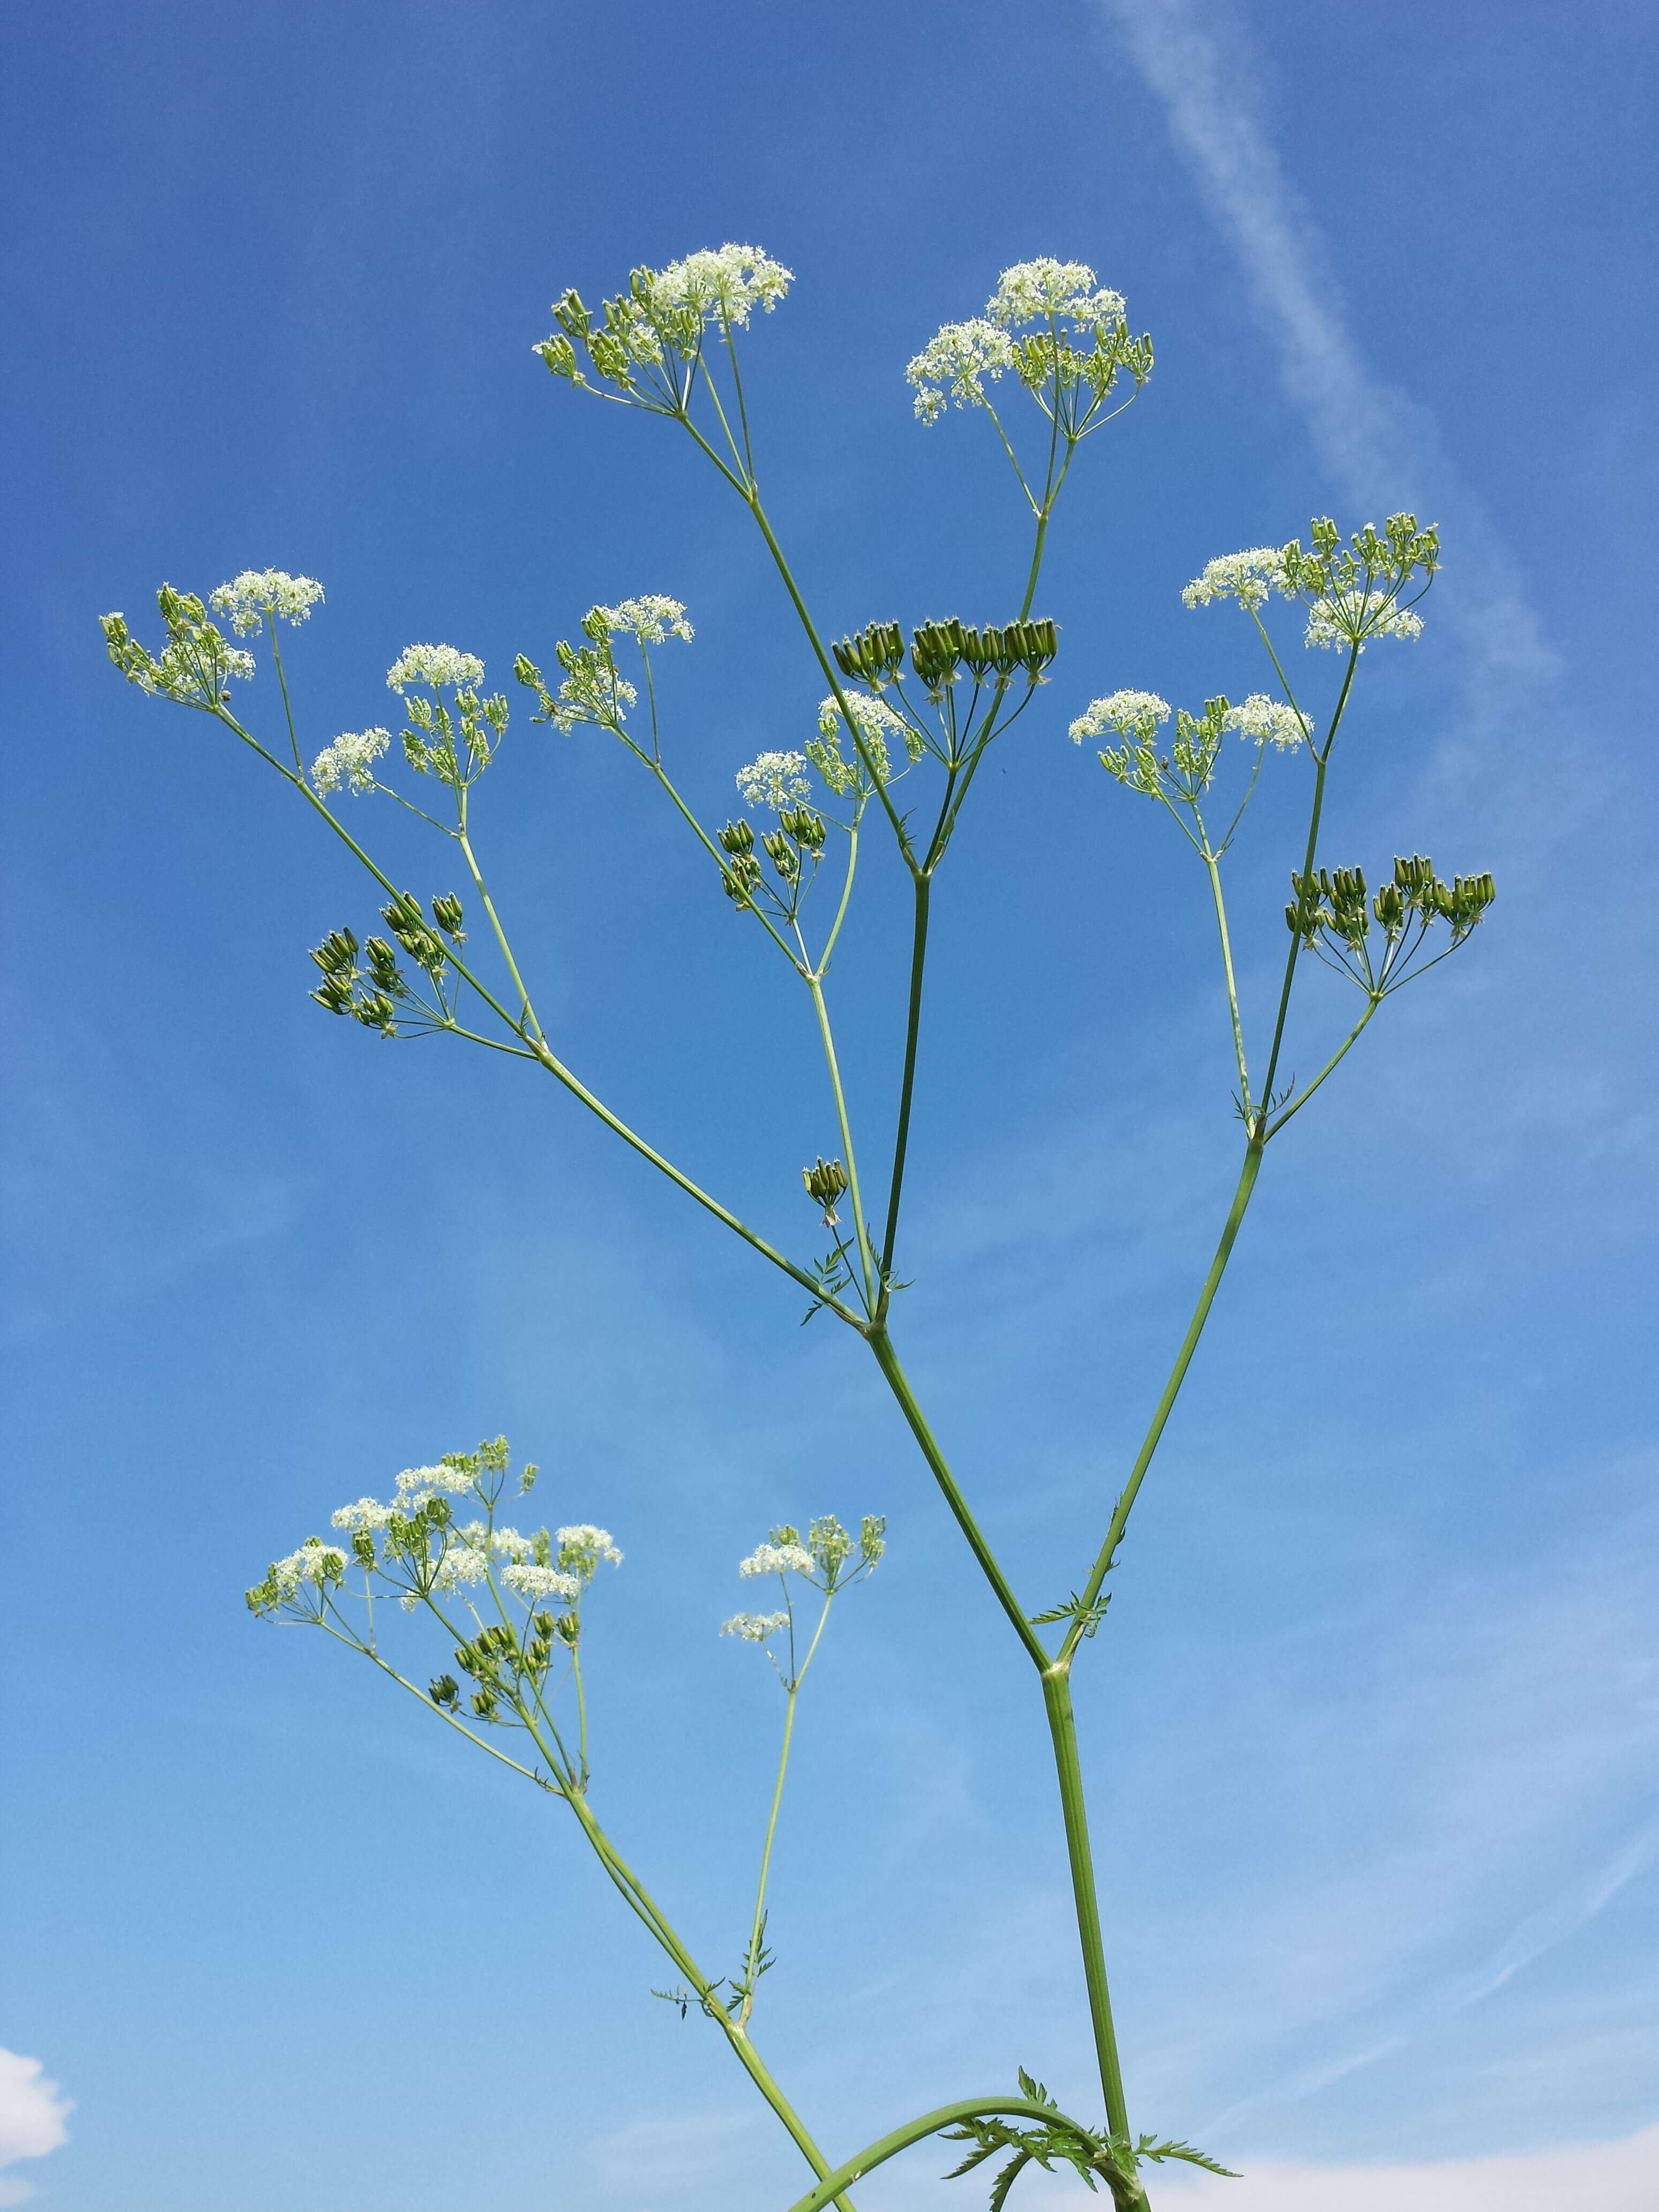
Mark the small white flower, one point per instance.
(501, 1543)
(650, 618)
(877, 723)
(462, 1565)
(727, 281)
(367, 1513)
(954, 364)
(1266, 721)
(1131, 714)
(530, 1582)
(349, 762)
(258, 593)
(777, 1559)
(416, 1484)
(434, 664)
(1356, 617)
(582, 1547)
(315, 1562)
(754, 1627)
(1032, 291)
(1248, 577)
(773, 780)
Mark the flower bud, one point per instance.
(825, 1181)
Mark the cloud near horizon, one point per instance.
(1619, 2176)
(33, 2112)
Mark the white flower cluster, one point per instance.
(434, 664)
(467, 1557)
(416, 1484)
(729, 280)
(315, 1562)
(777, 1559)
(367, 1513)
(1249, 577)
(1342, 619)
(754, 1627)
(877, 723)
(650, 618)
(954, 364)
(348, 764)
(257, 593)
(528, 1581)
(581, 1547)
(1267, 721)
(773, 780)
(593, 692)
(1356, 617)
(1035, 291)
(1131, 714)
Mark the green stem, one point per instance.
(860, 1226)
(914, 2131)
(882, 1345)
(1062, 1730)
(647, 1909)
(1339, 1054)
(581, 1708)
(832, 675)
(759, 1920)
(549, 1059)
(1322, 759)
(791, 1689)
(1125, 1505)
(1214, 872)
(822, 962)
(281, 678)
(924, 886)
(1036, 558)
(528, 1014)
(705, 839)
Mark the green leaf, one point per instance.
(1157, 2153)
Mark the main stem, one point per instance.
(1062, 1730)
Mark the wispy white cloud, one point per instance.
(1379, 446)
(1621, 2176)
(32, 2113)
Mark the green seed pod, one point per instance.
(338, 951)
(937, 651)
(446, 913)
(825, 1181)
(875, 656)
(736, 837)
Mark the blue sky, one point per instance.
(1372, 1728)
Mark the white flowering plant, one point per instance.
(919, 705)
